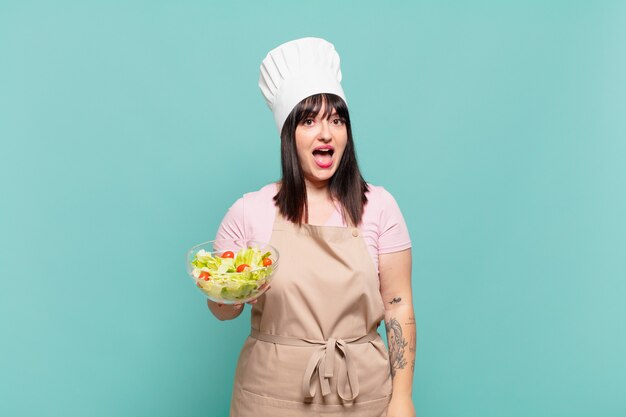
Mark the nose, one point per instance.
(325, 133)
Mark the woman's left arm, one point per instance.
(395, 288)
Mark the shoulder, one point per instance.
(262, 195)
(381, 208)
(379, 198)
(255, 200)
(250, 215)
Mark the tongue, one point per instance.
(322, 159)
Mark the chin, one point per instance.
(325, 177)
(320, 178)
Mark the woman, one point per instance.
(345, 261)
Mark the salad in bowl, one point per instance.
(232, 271)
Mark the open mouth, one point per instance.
(323, 157)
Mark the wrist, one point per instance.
(224, 311)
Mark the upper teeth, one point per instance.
(323, 150)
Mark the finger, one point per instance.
(237, 306)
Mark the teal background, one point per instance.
(128, 128)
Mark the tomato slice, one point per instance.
(204, 275)
(267, 262)
(241, 267)
(228, 254)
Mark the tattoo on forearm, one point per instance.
(397, 343)
(395, 300)
(411, 322)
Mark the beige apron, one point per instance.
(314, 348)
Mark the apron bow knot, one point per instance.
(322, 362)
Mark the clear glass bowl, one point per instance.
(233, 287)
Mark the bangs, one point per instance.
(311, 106)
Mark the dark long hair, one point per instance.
(346, 185)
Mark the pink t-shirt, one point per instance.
(383, 228)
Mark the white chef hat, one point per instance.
(296, 70)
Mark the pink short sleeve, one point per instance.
(233, 225)
(251, 217)
(393, 233)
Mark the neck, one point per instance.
(317, 192)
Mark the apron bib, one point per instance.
(314, 346)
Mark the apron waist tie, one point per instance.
(322, 361)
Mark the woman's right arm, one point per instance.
(232, 227)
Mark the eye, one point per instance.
(337, 121)
(308, 121)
